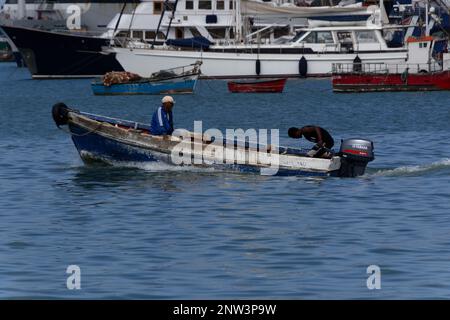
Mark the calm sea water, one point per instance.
(156, 232)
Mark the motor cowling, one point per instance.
(357, 150)
(355, 155)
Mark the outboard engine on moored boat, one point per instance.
(355, 155)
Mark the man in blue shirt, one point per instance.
(162, 120)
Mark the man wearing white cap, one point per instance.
(162, 120)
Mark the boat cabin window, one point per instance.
(324, 37)
(189, 5)
(366, 37)
(344, 36)
(279, 32)
(231, 4)
(179, 33)
(298, 36)
(123, 34)
(220, 5)
(150, 35)
(217, 33)
(137, 34)
(195, 32)
(319, 37)
(205, 4)
(157, 7)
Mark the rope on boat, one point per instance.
(81, 135)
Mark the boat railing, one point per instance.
(193, 68)
(120, 42)
(385, 68)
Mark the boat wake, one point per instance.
(156, 166)
(412, 170)
(163, 167)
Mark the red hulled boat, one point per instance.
(372, 82)
(266, 86)
(421, 72)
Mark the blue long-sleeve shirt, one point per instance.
(162, 122)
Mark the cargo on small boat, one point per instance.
(170, 81)
(110, 140)
(264, 86)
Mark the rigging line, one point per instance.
(163, 11)
(171, 18)
(118, 22)
(131, 21)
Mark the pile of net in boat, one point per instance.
(118, 77)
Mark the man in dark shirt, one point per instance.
(162, 119)
(322, 139)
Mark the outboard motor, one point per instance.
(355, 155)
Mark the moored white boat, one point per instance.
(312, 52)
(244, 65)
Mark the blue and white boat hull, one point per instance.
(115, 141)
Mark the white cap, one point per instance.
(168, 99)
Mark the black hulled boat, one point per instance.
(50, 54)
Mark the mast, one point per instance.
(238, 22)
(118, 20)
(427, 27)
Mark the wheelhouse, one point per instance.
(340, 39)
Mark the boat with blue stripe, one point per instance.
(117, 141)
(180, 80)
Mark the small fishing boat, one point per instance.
(170, 81)
(110, 140)
(265, 86)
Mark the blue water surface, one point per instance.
(156, 232)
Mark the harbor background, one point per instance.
(157, 232)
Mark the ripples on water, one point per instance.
(148, 232)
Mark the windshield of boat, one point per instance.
(319, 37)
(298, 36)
